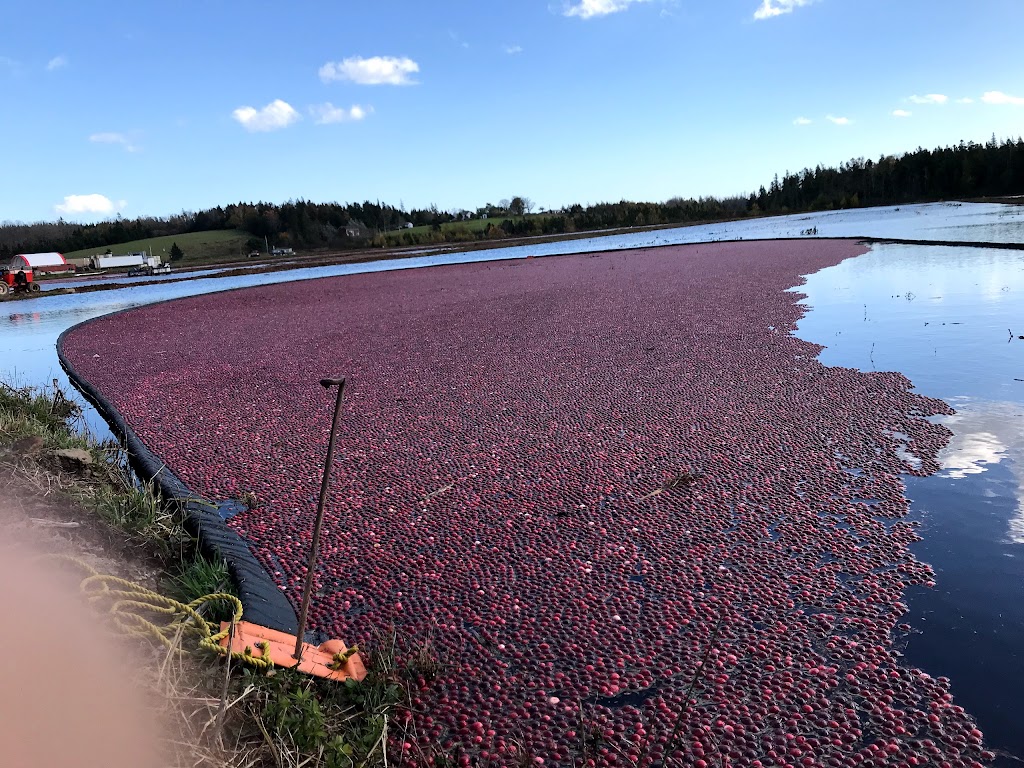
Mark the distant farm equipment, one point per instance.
(109, 261)
(18, 281)
(146, 270)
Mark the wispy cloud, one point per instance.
(901, 113)
(931, 98)
(377, 70)
(512, 49)
(771, 8)
(89, 204)
(57, 62)
(114, 138)
(998, 97)
(588, 9)
(457, 39)
(802, 121)
(327, 113)
(838, 120)
(965, 100)
(276, 115)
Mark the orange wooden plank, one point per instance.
(319, 660)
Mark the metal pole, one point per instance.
(314, 549)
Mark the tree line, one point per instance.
(965, 170)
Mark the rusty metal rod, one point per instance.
(314, 549)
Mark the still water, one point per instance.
(75, 282)
(958, 222)
(949, 319)
(946, 317)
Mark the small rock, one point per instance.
(28, 446)
(74, 459)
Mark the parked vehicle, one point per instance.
(18, 281)
(108, 261)
(146, 269)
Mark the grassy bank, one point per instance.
(218, 714)
(198, 247)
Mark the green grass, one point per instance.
(138, 511)
(107, 483)
(199, 247)
(40, 412)
(199, 577)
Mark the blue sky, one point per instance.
(145, 108)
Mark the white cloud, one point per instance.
(513, 49)
(588, 9)
(931, 98)
(838, 120)
(114, 138)
(57, 62)
(998, 97)
(771, 8)
(965, 100)
(89, 204)
(277, 114)
(327, 113)
(901, 113)
(802, 121)
(378, 70)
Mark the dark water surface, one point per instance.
(949, 319)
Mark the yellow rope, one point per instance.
(135, 610)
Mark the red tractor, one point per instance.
(18, 281)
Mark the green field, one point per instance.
(199, 247)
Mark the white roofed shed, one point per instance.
(41, 261)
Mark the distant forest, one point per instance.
(967, 170)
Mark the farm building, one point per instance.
(356, 229)
(41, 262)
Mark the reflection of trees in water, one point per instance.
(986, 432)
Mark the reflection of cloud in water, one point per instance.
(968, 453)
(985, 433)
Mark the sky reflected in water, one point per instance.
(949, 319)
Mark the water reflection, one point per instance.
(978, 222)
(949, 319)
(987, 433)
(17, 318)
(77, 282)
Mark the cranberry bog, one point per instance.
(632, 516)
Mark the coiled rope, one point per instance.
(136, 611)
